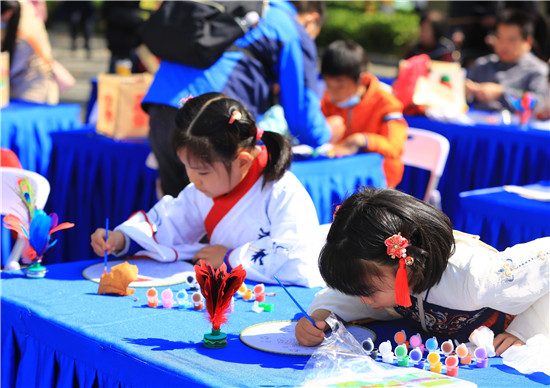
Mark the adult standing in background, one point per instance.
(123, 19)
(81, 17)
(280, 49)
(26, 39)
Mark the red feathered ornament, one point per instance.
(218, 287)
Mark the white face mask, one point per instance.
(350, 102)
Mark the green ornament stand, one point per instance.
(36, 271)
(215, 340)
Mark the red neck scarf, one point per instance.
(224, 203)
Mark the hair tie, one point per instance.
(184, 100)
(235, 115)
(334, 212)
(397, 245)
(259, 133)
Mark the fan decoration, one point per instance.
(36, 230)
(218, 287)
(523, 103)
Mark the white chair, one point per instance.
(427, 150)
(12, 203)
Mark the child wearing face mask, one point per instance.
(373, 118)
(242, 200)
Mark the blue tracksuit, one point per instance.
(283, 53)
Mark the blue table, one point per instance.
(25, 129)
(484, 155)
(330, 181)
(94, 177)
(58, 331)
(503, 219)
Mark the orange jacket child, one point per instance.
(379, 116)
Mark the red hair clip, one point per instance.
(259, 133)
(184, 100)
(334, 212)
(235, 115)
(397, 247)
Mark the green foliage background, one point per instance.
(364, 22)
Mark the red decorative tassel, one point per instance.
(402, 294)
(218, 287)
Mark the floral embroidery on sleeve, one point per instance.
(508, 268)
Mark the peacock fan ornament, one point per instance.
(218, 287)
(36, 229)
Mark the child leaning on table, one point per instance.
(372, 118)
(242, 197)
(389, 255)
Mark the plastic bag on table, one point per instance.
(339, 354)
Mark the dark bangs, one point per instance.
(197, 148)
(350, 275)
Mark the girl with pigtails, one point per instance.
(389, 255)
(242, 206)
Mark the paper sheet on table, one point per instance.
(151, 273)
(397, 377)
(535, 191)
(278, 337)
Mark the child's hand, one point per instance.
(338, 127)
(489, 91)
(504, 340)
(350, 145)
(212, 254)
(115, 242)
(309, 335)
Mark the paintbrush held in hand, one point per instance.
(217, 287)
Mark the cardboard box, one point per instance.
(4, 79)
(119, 105)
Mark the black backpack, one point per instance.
(195, 32)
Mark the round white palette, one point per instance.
(278, 337)
(151, 273)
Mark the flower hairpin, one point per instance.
(396, 245)
(235, 115)
(184, 100)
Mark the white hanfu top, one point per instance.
(515, 281)
(272, 229)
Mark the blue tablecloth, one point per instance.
(26, 130)
(485, 155)
(503, 219)
(58, 332)
(94, 177)
(329, 181)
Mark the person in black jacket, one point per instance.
(81, 15)
(123, 20)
